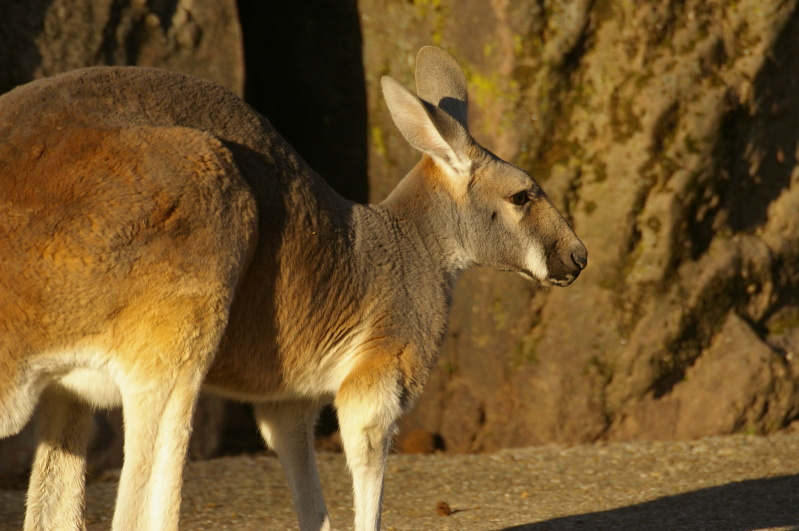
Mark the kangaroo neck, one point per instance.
(424, 220)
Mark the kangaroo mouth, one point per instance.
(551, 281)
(547, 283)
(562, 283)
(565, 278)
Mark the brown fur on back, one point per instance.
(103, 218)
(112, 137)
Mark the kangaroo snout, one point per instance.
(568, 263)
(580, 257)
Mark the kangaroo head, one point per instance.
(499, 216)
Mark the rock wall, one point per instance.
(667, 133)
(40, 38)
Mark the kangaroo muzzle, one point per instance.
(566, 263)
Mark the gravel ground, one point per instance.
(723, 483)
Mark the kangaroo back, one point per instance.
(125, 225)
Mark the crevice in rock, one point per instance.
(304, 72)
(165, 10)
(763, 143)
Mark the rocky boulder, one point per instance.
(667, 134)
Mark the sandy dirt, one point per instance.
(732, 483)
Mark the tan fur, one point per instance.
(156, 235)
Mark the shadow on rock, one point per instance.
(754, 504)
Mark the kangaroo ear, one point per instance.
(427, 128)
(441, 83)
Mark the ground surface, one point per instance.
(724, 483)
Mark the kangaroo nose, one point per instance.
(580, 258)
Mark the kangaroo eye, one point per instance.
(519, 198)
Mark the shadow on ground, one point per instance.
(745, 505)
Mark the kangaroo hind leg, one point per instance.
(157, 428)
(166, 360)
(288, 428)
(57, 484)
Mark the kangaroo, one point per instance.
(159, 238)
